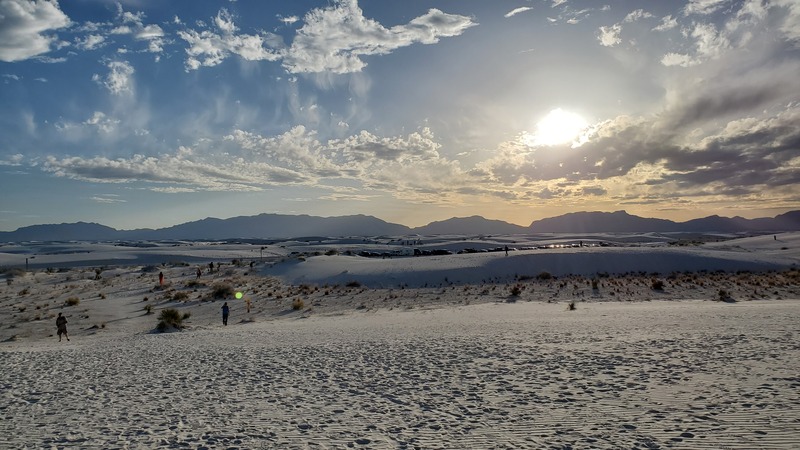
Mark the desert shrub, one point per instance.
(25, 291)
(222, 290)
(194, 284)
(571, 306)
(516, 290)
(147, 269)
(594, 284)
(544, 276)
(102, 296)
(148, 309)
(332, 252)
(72, 301)
(187, 315)
(657, 285)
(169, 318)
(353, 284)
(724, 296)
(180, 296)
(298, 304)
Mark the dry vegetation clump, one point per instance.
(179, 296)
(222, 290)
(72, 301)
(657, 285)
(298, 304)
(171, 318)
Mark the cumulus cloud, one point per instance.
(609, 35)
(208, 48)
(24, 25)
(119, 80)
(332, 39)
(337, 37)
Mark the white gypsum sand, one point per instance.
(456, 351)
(524, 375)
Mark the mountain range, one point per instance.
(279, 226)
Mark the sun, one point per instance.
(558, 127)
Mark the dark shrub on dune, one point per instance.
(170, 318)
(222, 290)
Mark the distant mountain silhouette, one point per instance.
(275, 226)
(593, 222)
(470, 226)
(79, 231)
(622, 222)
(279, 226)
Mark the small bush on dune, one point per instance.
(222, 290)
(180, 296)
(353, 284)
(571, 306)
(169, 318)
(544, 276)
(72, 301)
(657, 285)
(516, 290)
(724, 296)
(298, 304)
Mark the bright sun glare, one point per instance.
(559, 127)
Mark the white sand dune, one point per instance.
(524, 375)
(453, 351)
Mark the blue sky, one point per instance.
(145, 113)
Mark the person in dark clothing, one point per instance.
(61, 325)
(225, 312)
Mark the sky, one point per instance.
(147, 114)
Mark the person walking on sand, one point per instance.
(160, 278)
(61, 325)
(225, 312)
(199, 272)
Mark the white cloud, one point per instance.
(703, 7)
(108, 199)
(667, 23)
(638, 14)
(23, 25)
(516, 11)
(288, 20)
(207, 48)
(90, 42)
(119, 79)
(335, 38)
(791, 19)
(101, 122)
(609, 36)
(678, 59)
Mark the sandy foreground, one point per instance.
(456, 351)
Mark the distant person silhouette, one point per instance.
(225, 312)
(61, 325)
(160, 278)
(199, 272)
